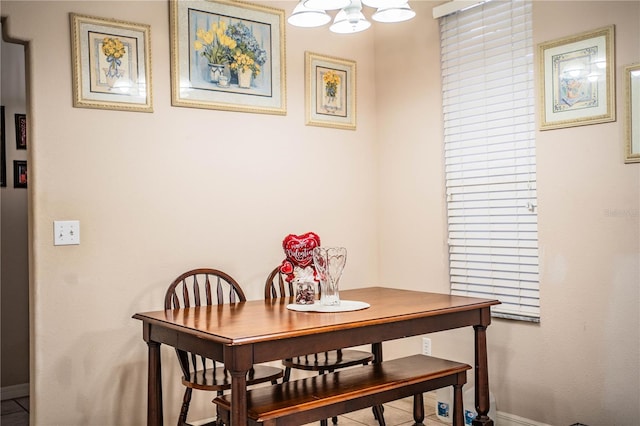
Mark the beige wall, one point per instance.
(159, 193)
(582, 362)
(13, 218)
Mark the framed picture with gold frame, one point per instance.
(111, 64)
(632, 113)
(330, 89)
(577, 80)
(228, 55)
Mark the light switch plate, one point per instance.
(66, 232)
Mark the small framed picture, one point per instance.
(3, 151)
(111, 64)
(632, 113)
(577, 80)
(330, 91)
(21, 131)
(19, 174)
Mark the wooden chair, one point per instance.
(203, 287)
(327, 362)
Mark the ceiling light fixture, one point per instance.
(394, 13)
(303, 16)
(350, 19)
(383, 3)
(326, 4)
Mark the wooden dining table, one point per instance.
(242, 334)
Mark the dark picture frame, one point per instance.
(21, 131)
(19, 174)
(3, 151)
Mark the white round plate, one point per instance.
(344, 306)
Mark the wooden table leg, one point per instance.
(238, 398)
(458, 412)
(418, 409)
(154, 386)
(482, 378)
(378, 410)
(238, 360)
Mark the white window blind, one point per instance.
(489, 123)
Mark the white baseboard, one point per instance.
(15, 391)
(506, 419)
(503, 419)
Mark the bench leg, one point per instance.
(418, 409)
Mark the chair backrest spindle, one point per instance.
(196, 291)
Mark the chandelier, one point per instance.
(350, 19)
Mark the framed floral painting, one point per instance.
(227, 55)
(577, 80)
(111, 64)
(330, 89)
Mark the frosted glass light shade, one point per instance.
(303, 16)
(349, 22)
(326, 4)
(394, 14)
(384, 3)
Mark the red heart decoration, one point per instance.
(299, 248)
(286, 267)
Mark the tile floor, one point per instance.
(15, 412)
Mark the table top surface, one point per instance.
(261, 320)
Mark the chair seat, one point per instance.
(218, 379)
(329, 361)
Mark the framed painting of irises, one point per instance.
(330, 91)
(111, 64)
(227, 55)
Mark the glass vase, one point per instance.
(329, 263)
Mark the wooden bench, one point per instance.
(320, 397)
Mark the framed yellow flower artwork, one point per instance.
(111, 64)
(227, 55)
(330, 91)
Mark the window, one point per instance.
(490, 164)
